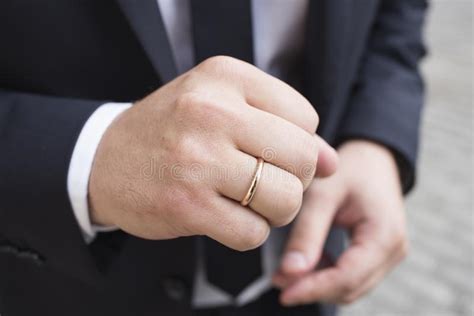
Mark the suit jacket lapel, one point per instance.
(145, 19)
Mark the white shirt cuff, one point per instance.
(81, 164)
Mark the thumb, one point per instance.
(327, 159)
(310, 230)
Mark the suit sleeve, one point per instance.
(387, 99)
(37, 137)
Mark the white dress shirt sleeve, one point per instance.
(81, 165)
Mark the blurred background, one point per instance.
(437, 278)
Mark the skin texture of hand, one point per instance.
(178, 162)
(364, 196)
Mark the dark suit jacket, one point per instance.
(62, 59)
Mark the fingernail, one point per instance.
(294, 261)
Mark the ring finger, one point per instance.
(278, 194)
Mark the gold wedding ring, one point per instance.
(253, 185)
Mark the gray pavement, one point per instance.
(437, 277)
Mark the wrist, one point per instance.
(100, 174)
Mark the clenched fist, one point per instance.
(178, 162)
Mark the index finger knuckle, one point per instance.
(220, 64)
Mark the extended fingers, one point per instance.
(309, 233)
(357, 271)
(337, 284)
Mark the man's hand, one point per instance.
(179, 162)
(364, 196)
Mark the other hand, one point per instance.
(364, 196)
